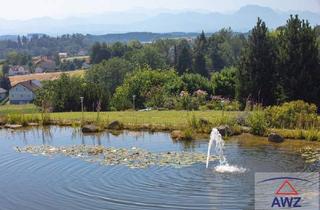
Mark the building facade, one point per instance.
(23, 93)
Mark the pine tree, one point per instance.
(199, 65)
(184, 60)
(256, 70)
(298, 61)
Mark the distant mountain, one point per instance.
(151, 21)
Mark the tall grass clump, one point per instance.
(293, 115)
(257, 122)
(21, 119)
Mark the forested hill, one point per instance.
(140, 36)
(40, 44)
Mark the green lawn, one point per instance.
(167, 118)
(175, 118)
(18, 109)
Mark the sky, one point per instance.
(27, 9)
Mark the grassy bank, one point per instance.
(18, 109)
(191, 122)
(170, 118)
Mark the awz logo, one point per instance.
(286, 196)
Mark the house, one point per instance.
(44, 64)
(3, 94)
(38, 70)
(18, 70)
(63, 55)
(23, 92)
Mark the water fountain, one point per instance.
(215, 137)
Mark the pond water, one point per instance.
(59, 182)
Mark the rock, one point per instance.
(13, 126)
(178, 135)
(224, 130)
(273, 137)
(90, 129)
(33, 124)
(114, 125)
(245, 129)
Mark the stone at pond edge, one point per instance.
(273, 137)
(245, 129)
(115, 125)
(178, 135)
(90, 129)
(13, 126)
(225, 130)
(33, 124)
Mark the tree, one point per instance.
(199, 65)
(298, 61)
(99, 53)
(256, 69)
(5, 82)
(150, 87)
(224, 48)
(224, 82)
(108, 75)
(184, 57)
(193, 82)
(148, 55)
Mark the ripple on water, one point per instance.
(80, 185)
(42, 183)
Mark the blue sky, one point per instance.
(26, 9)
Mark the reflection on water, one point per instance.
(38, 182)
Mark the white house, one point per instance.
(3, 94)
(23, 92)
(18, 70)
(63, 55)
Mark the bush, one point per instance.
(257, 122)
(295, 114)
(187, 102)
(150, 87)
(225, 105)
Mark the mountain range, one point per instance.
(163, 21)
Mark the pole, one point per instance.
(134, 102)
(82, 117)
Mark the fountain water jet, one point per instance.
(215, 137)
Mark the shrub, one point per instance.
(225, 105)
(187, 102)
(257, 122)
(295, 114)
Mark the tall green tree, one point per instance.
(256, 70)
(100, 52)
(184, 57)
(108, 74)
(199, 65)
(298, 61)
